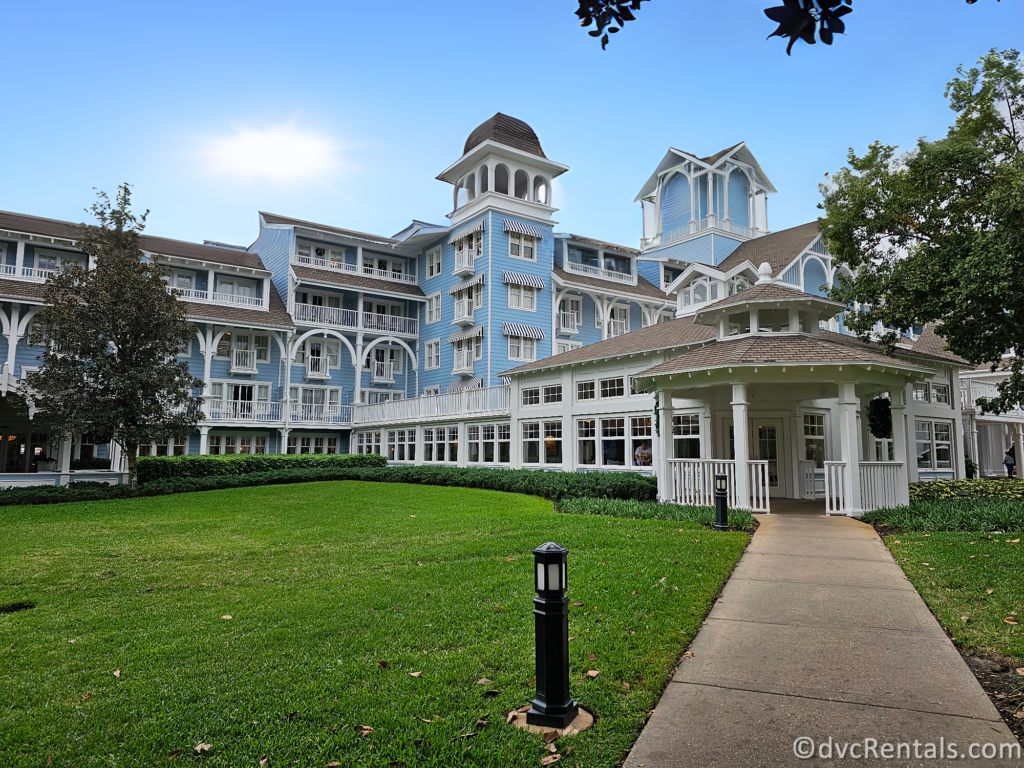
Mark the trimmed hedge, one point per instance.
(739, 519)
(1003, 515)
(166, 467)
(550, 485)
(941, 490)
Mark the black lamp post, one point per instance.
(721, 502)
(553, 707)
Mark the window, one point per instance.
(586, 441)
(552, 442)
(613, 442)
(428, 445)
(553, 394)
(434, 262)
(488, 443)
(934, 441)
(522, 297)
(531, 442)
(432, 355)
(642, 442)
(224, 346)
(585, 390)
(434, 308)
(432, 391)
(921, 393)
(262, 349)
(573, 307)
(612, 387)
(172, 446)
(566, 346)
(531, 396)
(453, 443)
(814, 439)
(504, 443)
(333, 354)
(401, 445)
(441, 444)
(522, 348)
(940, 394)
(366, 442)
(686, 435)
(522, 246)
(395, 358)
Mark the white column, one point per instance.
(204, 441)
(116, 457)
(664, 450)
(64, 462)
(266, 292)
(848, 447)
(740, 432)
(12, 338)
(899, 446)
(209, 284)
(19, 258)
(569, 447)
(419, 445)
(1018, 441)
(358, 363)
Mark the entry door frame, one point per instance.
(772, 419)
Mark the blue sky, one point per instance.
(344, 112)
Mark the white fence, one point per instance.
(367, 269)
(601, 274)
(468, 402)
(879, 484)
(694, 227)
(312, 413)
(836, 501)
(693, 482)
(242, 410)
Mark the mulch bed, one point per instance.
(1004, 685)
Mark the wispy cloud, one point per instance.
(284, 154)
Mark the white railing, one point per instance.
(463, 311)
(616, 328)
(567, 322)
(316, 368)
(326, 316)
(36, 275)
(700, 225)
(242, 410)
(463, 362)
(880, 484)
(189, 294)
(468, 402)
(693, 482)
(234, 300)
(383, 373)
(321, 414)
(971, 391)
(8, 270)
(367, 269)
(837, 500)
(601, 274)
(390, 323)
(464, 261)
(243, 361)
(808, 479)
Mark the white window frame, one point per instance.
(601, 387)
(525, 348)
(530, 396)
(258, 348)
(582, 388)
(575, 306)
(435, 261)
(569, 346)
(934, 444)
(433, 310)
(432, 355)
(935, 390)
(520, 243)
(432, 391)
(518, 295)
(236, 441)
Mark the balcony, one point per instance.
(223, 299)
(382, 373)
(971, 391)
(567, 323)
(366, 270)
(463, 312)
(333, 317)
(309, 413)
(242, 410)
(617, 328)
(486, 401)
(464, 265)
(587, 270)
(27, 273)
(316, 368)
(243, 361)
(463, 363)
(696, 227)
(390, 324)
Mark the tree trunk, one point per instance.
(133, 468)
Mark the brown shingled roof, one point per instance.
(765, 292)
(273, 218)
(276, 316)
(643, 287)
(670, 335)
(931, 344)
(778, 248)
(604, 244)
(355, 280)
(508, 131)
(19, 289)
(763, 350)
(37, 225)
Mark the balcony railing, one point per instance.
(567, 322)
(383, 373)
(389, 323)
(309, 413)
(224, 299)
(463, 362)
(367, 269)
(316, 368)
(35, 275)
(243, 361)
(617, 328)
(698, 226)
(335, 317)
(601, 274)
(464, 262)
(463, 312)
(468, 402)
(242, 410)
(972, 391)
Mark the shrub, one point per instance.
(952, 515)
(166, 467)
(550, 485)
(739, 519)
(939, 490)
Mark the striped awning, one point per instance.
(467, 283)
(506, 380)
(523, 229)
(461, 233)
(457, 386)
(526, 331)
(466, 333)
(518, 278)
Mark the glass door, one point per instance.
(766, 445)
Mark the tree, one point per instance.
(937, 235)
(797, 19)
(110, 338)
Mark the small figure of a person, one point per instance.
(642, 455)
(1010, 461)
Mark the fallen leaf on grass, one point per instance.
(201, 747)
(1020, 670)
(117, 673)
(663, 579)
(593, 673)
(1019, 714)
(227, 617)
(550, 736)
(469, 735)
(525, 708)
(415, 674)
(364, 730)
(688, 655)
(490, 694)
(484, 681)
(173, 754)
(551, 748)
(625, 685)
(1010, 620)
(382, 664)
(87, 696)
(72, 642)
(988, 591)
(333, 764)
(510, 559)
(986, 555)
(396, 764)
(550, 759)
(924, 563)
(424, 720)
(264, 760)
(592, 657)
(576, 605)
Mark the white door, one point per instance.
(766, 445)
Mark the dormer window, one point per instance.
(700, 292)
(522, 246)
(736, 285)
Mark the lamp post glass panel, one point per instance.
(553, 707)
(721, 502)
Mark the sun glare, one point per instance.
(283, 153)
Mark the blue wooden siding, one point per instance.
(722, 247)
(738, 203)
(675, 203)
(650, 270)
(274, 249)
(814, 277)
(792, 275)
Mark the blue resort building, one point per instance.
(494, 340)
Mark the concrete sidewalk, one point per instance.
(818, 634)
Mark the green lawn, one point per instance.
(322, 582)
(972, 582)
